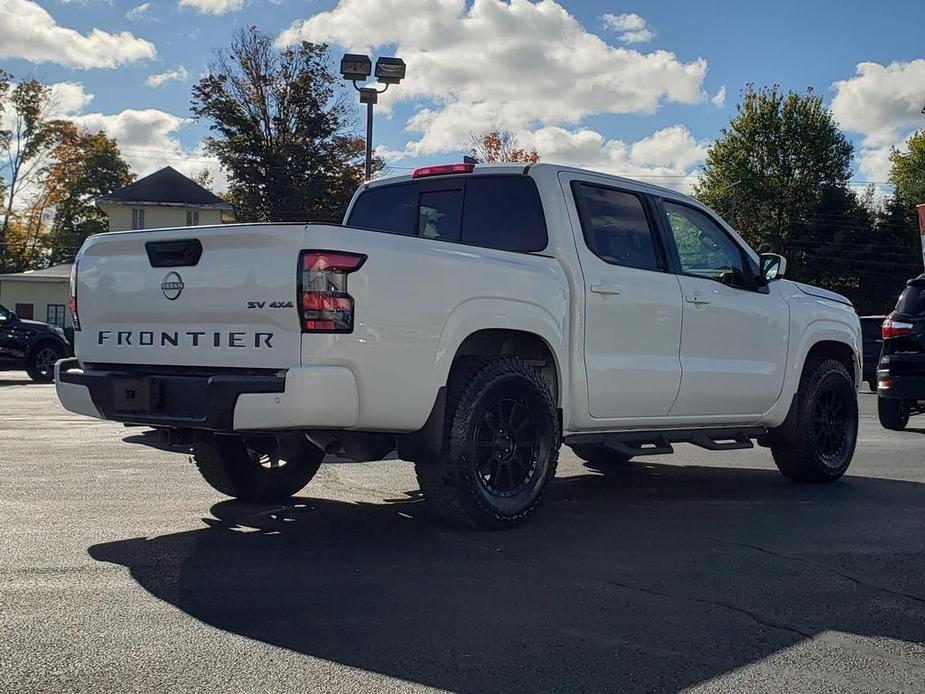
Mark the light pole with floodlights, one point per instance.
(357, 68)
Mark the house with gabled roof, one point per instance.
(165, 198)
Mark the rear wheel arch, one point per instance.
(532, 348)
(479, 346)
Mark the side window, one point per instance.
(504, 212)
(439, 214)
(705, 250)
(616, 227)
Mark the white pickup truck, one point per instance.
(473, 318)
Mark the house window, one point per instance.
(138, 218)
(55, 315)
(192, 218)
(24, 311)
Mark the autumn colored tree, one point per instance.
(24, 146)
(83, 167)
(500, 146)
(283, 129)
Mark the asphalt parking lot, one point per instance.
(122, 571)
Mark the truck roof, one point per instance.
(523, 168)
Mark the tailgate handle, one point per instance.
(179, 253)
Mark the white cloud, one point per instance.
(30, 33)
(630, 27)
(884, 104)
(666, 157)
(515, 65)
(140, 12)
(178, 74)
(719, 99)
(215, 7)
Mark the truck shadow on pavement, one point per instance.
(650, 577)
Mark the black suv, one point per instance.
(30, 345)
(901, 371)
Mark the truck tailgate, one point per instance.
(151, 297)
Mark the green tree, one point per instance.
(27, 143)
(83, 167)
(779, 173)
(769, 170)
(204, 178)
(283, 129)
(907, 173)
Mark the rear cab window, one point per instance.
(912, 301)
(500, 211)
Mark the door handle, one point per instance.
(696, 299)
(602, 288)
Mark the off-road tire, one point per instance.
(464, 485)
(601, 455)
(817, 441)
(41, 364)
(893, 414)
(232, 467)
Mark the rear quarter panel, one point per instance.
(416, 301)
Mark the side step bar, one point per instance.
(636, 443)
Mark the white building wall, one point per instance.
(38, 293)
(157, 216)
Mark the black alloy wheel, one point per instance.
(507, 443)
(42, 363)
(831, 424)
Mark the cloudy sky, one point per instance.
(633, 88)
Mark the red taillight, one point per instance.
(72, 296)
(442, 169)
(324, 304)
(894, 328)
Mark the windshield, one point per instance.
(4, 313)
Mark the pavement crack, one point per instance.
(820, 565)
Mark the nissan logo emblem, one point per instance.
(172, 286)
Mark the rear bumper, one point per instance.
(303, 398)
(905, 374)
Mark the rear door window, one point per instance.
(616, 227)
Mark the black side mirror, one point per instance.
(773, 267)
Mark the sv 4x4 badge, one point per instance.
(272, 304)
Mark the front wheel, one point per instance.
(257, 468)
(500, 448)
(41, 366)
(893, 414)
(817, 441)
